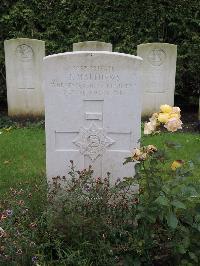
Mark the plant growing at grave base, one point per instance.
(94, 223)
(86, 225)
(92, 218)
(168, 212)
(21, 223)
(87, 221)
(168, 116)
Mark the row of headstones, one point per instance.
(93, 99)
(24, 67)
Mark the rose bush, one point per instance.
(168, 116)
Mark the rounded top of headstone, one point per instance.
(92, 53)
(25, 49)
(157, 44)
(24, 40)
(157, 53)
(92, 46)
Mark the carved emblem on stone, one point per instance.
(92, 141)
(24, 52)
(156, 57)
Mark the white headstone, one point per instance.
(92, 111)
(158, 75)
(92, 46)
(24, 58)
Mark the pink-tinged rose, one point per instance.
(165, 108)
(163, 117)
(176, 110)
(173, 124)
(149, 127)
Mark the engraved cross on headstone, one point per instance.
(93, 141)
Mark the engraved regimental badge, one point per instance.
(156, 57)
(24, 52)
(92, 141)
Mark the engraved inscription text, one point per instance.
(92, 81)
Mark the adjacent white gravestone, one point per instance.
(92, 111)
(158, 75)
(92, 46)
(24, 60)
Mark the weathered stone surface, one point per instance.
(92, 46)
(158, 75)
(92, 111)
(24, 60)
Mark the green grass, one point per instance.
(22, 156)
(188, 147)
(22, 153)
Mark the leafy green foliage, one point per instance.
(88, 221)
(94, 222)
(169, 203)
(125, 24)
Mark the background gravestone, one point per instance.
(92, 111)
(24, 59)
(158, 75)
(92, 46)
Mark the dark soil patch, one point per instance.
(190, 122)
(189, 119)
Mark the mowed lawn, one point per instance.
(187, 148)
(22, 153)
(22, 156)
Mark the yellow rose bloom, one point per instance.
(176, 164)
(165, 108)
(173, 115)
(163, 117)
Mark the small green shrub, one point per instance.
(88, 221)
(22, 223)
(168, 211)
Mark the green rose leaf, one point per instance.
(178, 204)
(162, 200)
(172, 221)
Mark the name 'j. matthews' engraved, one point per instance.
(91, 81)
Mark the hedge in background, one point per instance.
(124, 23)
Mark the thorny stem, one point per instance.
(147, 181)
